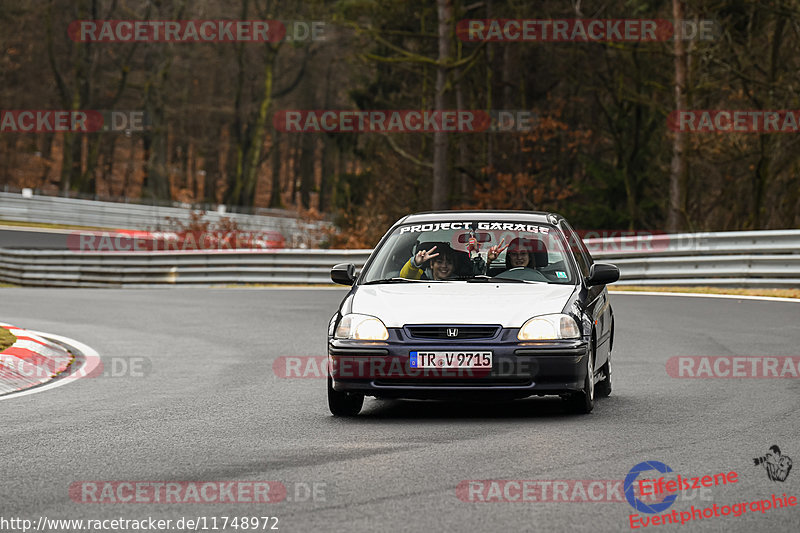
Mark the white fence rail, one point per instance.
(144, 269)
(735, 259)
(725, 259)
(78, 212)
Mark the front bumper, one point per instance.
(519, 369)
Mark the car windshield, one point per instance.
(439, 251)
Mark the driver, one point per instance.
(442, 264)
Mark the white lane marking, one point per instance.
(90, 361)
(697, 295)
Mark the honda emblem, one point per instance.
(452, 332)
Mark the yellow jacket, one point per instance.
(409, 271)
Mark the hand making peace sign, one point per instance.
(424, 255)
(494, 251)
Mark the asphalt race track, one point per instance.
(210, 409)
(33, 238)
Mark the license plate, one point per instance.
(450, 360)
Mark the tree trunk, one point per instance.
(766, 142)
(294, 168)
(307, 160)
(215, 156)
(678, 168)
(326, 159)
(463, 184)
(107, 172)
(249, 133)
(326, 170)
(489, 99)
(441, 181)
(256, 145)
(507, 78)
(308, 145)
(156, 179)
(275, 199)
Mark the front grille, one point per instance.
(461, 332)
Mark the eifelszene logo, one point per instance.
(630, 483)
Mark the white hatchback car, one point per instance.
(501, 304)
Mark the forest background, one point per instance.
(600, 152)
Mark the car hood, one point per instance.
(507, 304)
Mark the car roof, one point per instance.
(540, 217)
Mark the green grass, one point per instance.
(6, 339)
(777, 293)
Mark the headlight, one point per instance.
(549, 327)
(361, 327)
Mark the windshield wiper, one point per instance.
(490, 279)
(391, 280)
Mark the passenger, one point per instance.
(442, 264)
(519, 254)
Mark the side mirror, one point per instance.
(344, 273)
(602, 274)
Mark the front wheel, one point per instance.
(343, 403)
(583, 402)
(603, 389)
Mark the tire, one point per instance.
(603, 389)
(344, 403)
(583, 402)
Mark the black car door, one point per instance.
(597, 303)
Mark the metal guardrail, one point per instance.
(78, 212)
(736, 259)
(145, 269)
(723, 259)
(693, 244)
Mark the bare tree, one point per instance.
(676, 212)
(441, 177)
